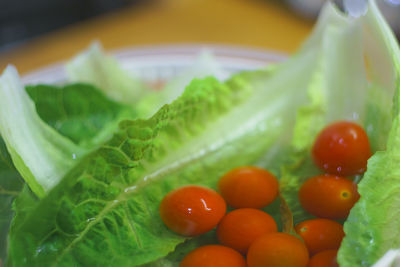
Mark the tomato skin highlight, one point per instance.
(239, 228)
(320, 234)
(192, 210)
(326, 258)
(328, 196)
(342, 148)
(213, 256)
(248, 187)
(277, 250)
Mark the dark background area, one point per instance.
(21, 20)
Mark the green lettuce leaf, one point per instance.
(106, 209)
(40, 154)
(79, 111)
(10, 185)
(205, 65)
(94, 67)
(334, 95)
(372, 227)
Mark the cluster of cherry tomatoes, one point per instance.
(248, 235)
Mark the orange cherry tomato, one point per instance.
(342, 148)
(328, 196)
(192, 210)
(213, 256)
(325, 258)
(278, 250)
(249, 187)
(320, 234)
(239, 228)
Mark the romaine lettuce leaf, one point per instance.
(106, 209)
(40, 154)
(79, 111)
(372, 227)
(337, 92)
(94, 67)
(10, 185)
(83, 117)
(390, 259)
(205, 65)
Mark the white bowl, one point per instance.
(154, 63)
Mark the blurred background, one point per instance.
(34, 33)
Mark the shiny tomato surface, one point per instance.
(326, 258)
(249, 187)
(278, 250)
(213, 256)
(239, 228)
(328, 196)
(192, 210)
(320, 234)
(342, 148)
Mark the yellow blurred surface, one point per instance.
(255, 23)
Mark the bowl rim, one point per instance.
(238, 52)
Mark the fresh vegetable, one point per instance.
(342, 148)
(122, 183)
(372, 227)
(279, 250)
(101, 208)
(213, 256)
(240, 228)
(11, 184)
(326, 258)
(248, 187)
(39, 153)
(94, 67)
(192, 210)
(320, 234)
(79, 112)
(328, 196)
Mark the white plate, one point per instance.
(154, 63)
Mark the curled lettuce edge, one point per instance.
(41, 155)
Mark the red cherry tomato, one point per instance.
(325, 258)
(278, 250)
(342, 148)
(192, 210)
(320, 234)
(248, 187)
(239, 228)
(328, 196)
(213, 256)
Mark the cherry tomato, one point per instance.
(342, 148)
(192, 210)
(328, 196)
(213, 256)
(248, 187)
(320, 234)
(239, 228)
(325, 258)
(278, 250)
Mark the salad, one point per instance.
(84, 166)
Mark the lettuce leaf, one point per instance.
(39, 153)
(372, 227)
(205, 65)
(94, 67)
(81, 118)
(79, 111)
(10, 185)
(106, 209)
